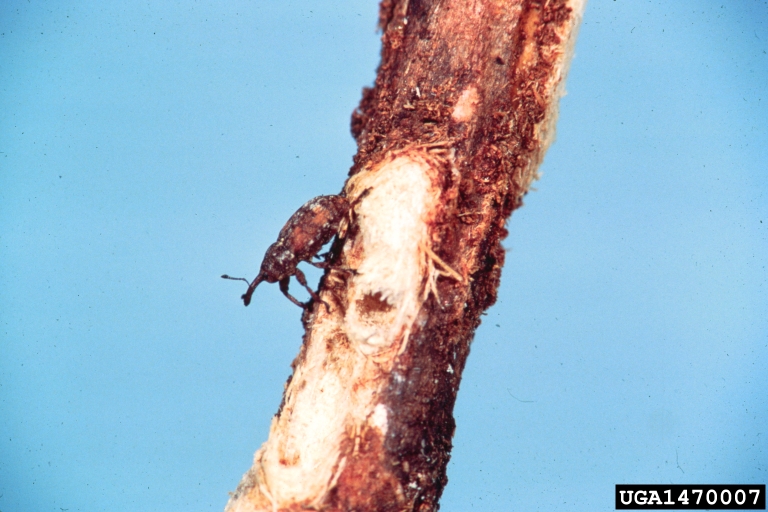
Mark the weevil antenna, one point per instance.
(225, 276)
(251, 287)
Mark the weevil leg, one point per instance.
(318, 264)
(345, 269)
(326, 264)
(303, 281)
(349, 218)
(284, 288)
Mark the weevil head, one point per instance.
(279, 262)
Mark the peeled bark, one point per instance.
(449, 140)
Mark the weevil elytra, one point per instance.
(306, 232)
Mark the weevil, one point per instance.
(306, 232)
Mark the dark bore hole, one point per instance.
(373, 304)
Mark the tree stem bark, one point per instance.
(449, 141)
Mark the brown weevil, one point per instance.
(306, 232)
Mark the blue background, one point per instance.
(148, 147)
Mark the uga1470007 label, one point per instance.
(690, 497)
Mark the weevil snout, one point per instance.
(251, 286)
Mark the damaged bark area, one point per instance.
(449, 141)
